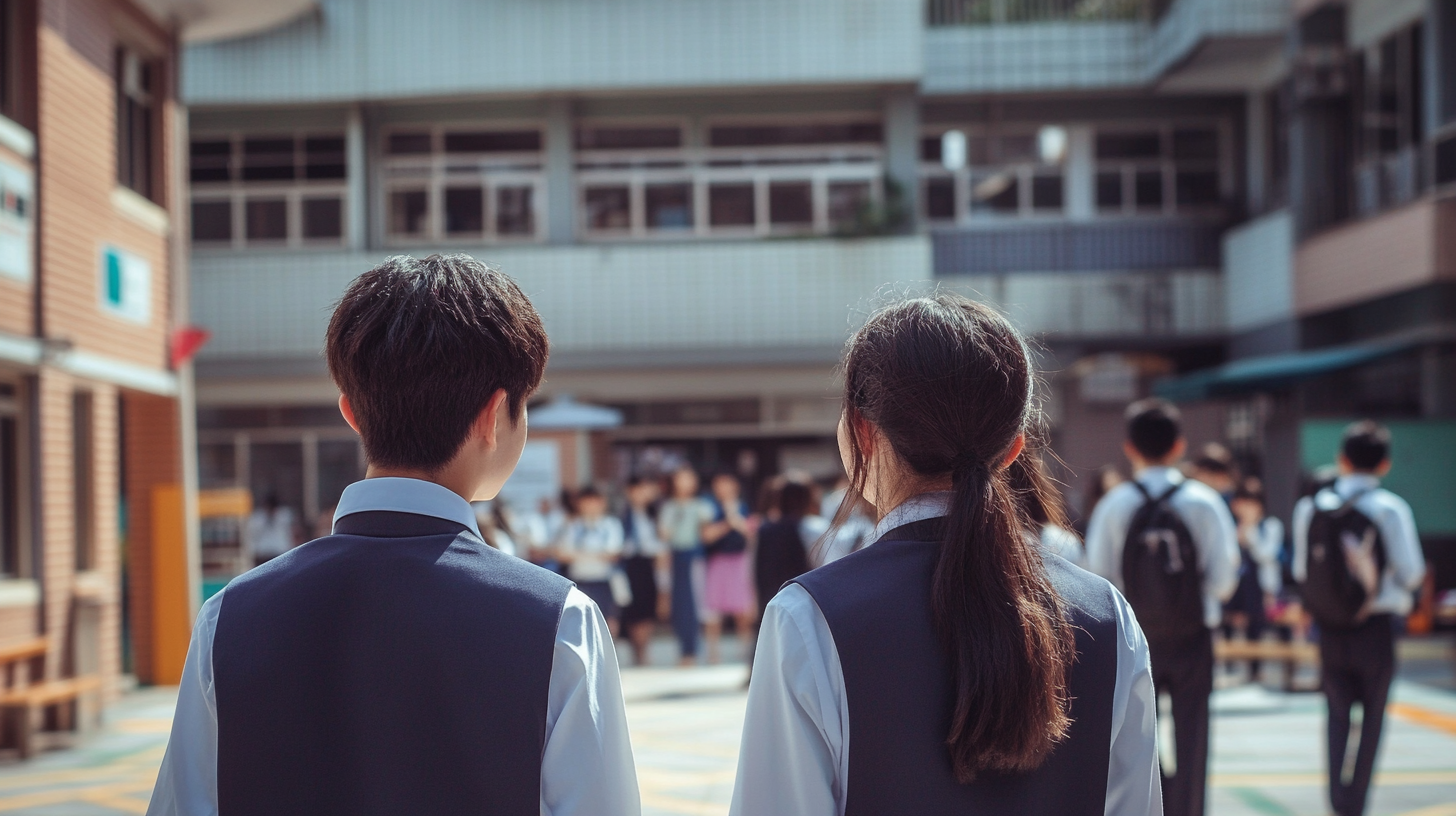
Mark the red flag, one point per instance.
(186, 341)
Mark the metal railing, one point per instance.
(994, 12)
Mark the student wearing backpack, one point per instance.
(1171, 546)
(1357, 559)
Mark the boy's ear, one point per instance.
(348, 411)
(487, 423)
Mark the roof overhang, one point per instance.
(211, 20)
(1227, 65)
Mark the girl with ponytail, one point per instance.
(950, 667)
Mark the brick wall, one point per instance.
(78, 213)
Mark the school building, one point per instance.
(703, 198)
(95, 392)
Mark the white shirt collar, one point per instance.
(916, 508)
(1164, 474)
(399, 495)
(1352, 483)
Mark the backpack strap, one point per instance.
(1149, 498)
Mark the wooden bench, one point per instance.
(40, 713)
(1292, 655)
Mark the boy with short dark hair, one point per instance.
(1170, 545)
(401, 665)
(1358, 559)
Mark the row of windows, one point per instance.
(474, 185)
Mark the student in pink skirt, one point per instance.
(727, 588)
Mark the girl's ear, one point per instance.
(1017, 446)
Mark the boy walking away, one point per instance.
(1171, 546)
(1357, 559)
(401, 665)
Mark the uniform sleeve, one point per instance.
(587, 767)
(1105, 535)
(614, 535)
(1269, 544)
(187, 781)
(795, 752)
(1402, 544)
(1134, 783)
(1218, 547)
(1303, 514)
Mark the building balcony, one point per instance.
(989, 46)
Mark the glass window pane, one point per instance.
(847, 202)
(487, 141)
(1144, 145)
(217, 465)
(276, 470)
(1020, 147)
(408, 211)
(628, 138)
(324, 157)
(267, 219)
(9, 496)
(406, 144)
(1148, 189)
(809, 134)
(791, 203)
(1046, 192)
(1109, 190)
(669, 206)
(997, 192)
(978, 150)
(268, 159)
(514, 212)
(464, 211)
(608, 208)
(323, 217)
(930, 149)
(212, 221)
(1195, 143)
(212, 160)
(730, 205)
(940, 199)
(1196, 187)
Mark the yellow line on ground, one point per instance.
(1302, 780)
(1425, 716)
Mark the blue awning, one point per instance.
(1277, 371)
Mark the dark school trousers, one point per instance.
(685, 622)
(1184, 670)
(1356, 666)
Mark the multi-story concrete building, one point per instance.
(94, 398)
(701, 199)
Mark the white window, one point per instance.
(642, 180)
(465, 184)
(1159, 169)
(1008, 172)
(269, 190)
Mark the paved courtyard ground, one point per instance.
(685, 726)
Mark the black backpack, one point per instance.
(1343, 543)
(1160, 574)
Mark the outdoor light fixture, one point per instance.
(1051, 142)
(953, 150)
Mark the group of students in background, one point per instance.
(675, 552)
(1194, 549)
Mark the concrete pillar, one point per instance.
(356, 148)
(560, 173)
(902, 148)
(1080, 173)
(1256, 138)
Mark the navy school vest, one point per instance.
(397, 666)
(898, 683)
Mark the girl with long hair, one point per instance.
(949, 667)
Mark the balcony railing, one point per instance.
(993, 12)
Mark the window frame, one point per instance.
(433, 173)
(1167, 165)
(701, 167)
(963, 181)
(237, 192)
(152, 101)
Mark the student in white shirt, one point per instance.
(933, 672)
(590, 546)
(1358, 660)
(1202, 556)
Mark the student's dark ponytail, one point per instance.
(947, 382)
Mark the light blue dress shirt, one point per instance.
(587, 767)
(795, 754)
(1405, 565)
